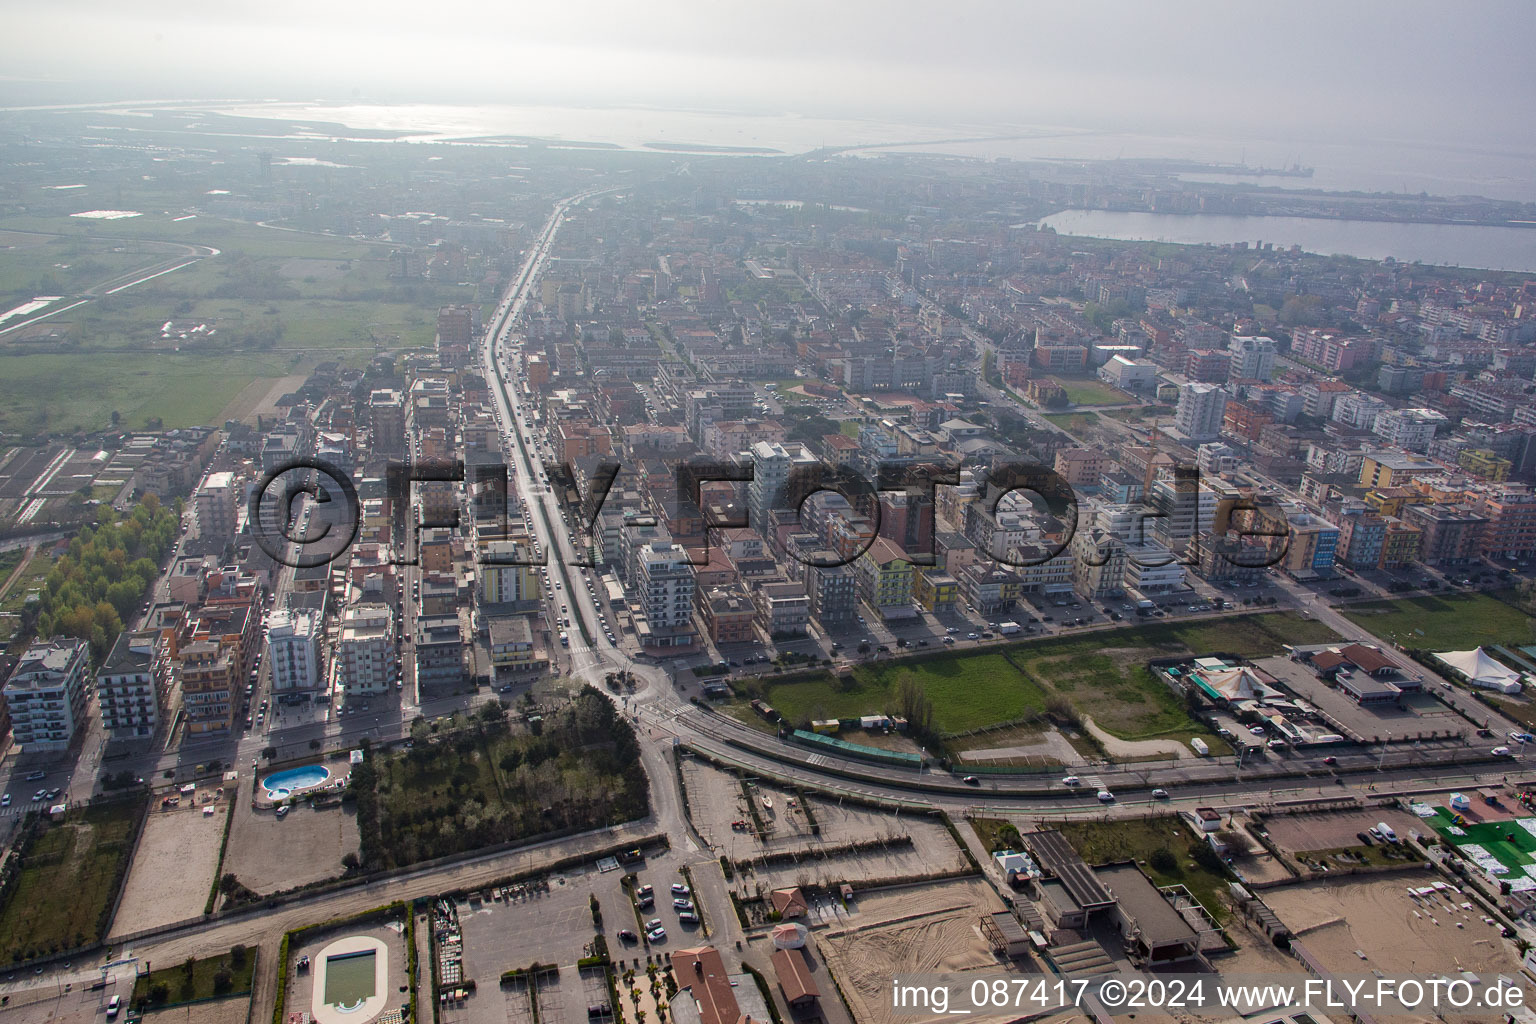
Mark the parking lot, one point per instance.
(1328, 830)
(1420, 713)
(506, 930)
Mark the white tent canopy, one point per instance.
(1481, 670)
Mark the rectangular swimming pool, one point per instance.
(349, 979)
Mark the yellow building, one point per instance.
(1485, 464)
(885, 575)
(1400, 545)
(1392, 469)
(504, 583)
(934, 589)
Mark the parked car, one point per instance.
(679, 889)
(625, 935)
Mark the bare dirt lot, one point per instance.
(908, 930)
(1399, 934)
(270, 854)
(173, 866)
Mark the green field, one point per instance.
(1073, 422)
(1102, 674)
(278, 302)
(69, 878)
(228, 974)
(1092, 392)
(1456, 622)
(73, 392)
(1106, 842)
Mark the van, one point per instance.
(1386, 832)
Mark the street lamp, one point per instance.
(1383, 756)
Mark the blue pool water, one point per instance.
(281, 785)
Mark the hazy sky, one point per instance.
(1417, 69)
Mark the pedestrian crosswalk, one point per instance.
(818, 760)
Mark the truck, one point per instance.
(1144, 605)
(1200, 747)
(1009, 628)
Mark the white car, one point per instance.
(1071, 780)
(679, 889)
(1499, 751)
(1106, 797)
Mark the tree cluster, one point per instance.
(101, 578)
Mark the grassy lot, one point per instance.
(69, 878)
(1102, 674)
(1454, 622)
(477, 782)
(1073, 422)
(1092, 392)
(1103, 842)
(278, 302)
(81, 391)
(171, 985)
(996, 834)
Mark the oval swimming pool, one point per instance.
(281, 785)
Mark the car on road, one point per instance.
(972, 636)
(35, 776)
(1330, 760)
(1257, 730)
(1500, 752)
(1106, 797)
(1071, 780)
(971, 780)
(5, 801)
(949, 640)
(113, 1005)
(1159, 794)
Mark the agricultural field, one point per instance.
(1100, 674)
(69, 877)
(1454, 622)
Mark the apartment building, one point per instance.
(130, 685)
(293, 651)
(664, 581)
(209, 674)
(46, 694)
(885, 579)
(1200, 411)
(367, 661)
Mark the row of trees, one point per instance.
(99, 581)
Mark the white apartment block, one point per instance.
(1200, 412)
(47, 694)
(1253, 357)
(293, 650)
(366, 657)
(1409, 429)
